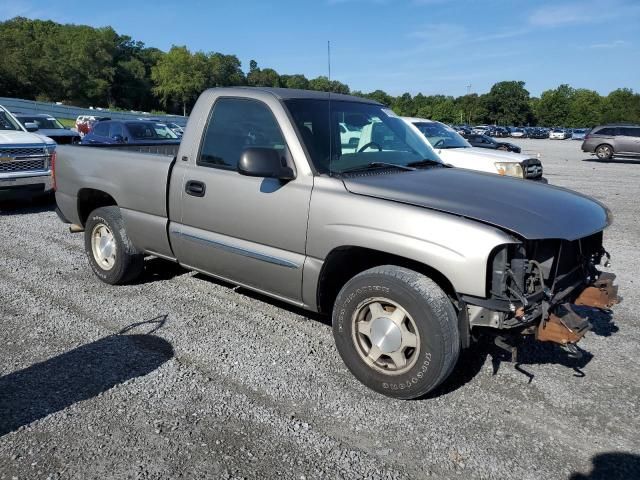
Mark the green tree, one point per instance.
(294, 81)
(404, 105)
(380, 96)
(507, 103)
(554, 106)
(179, 76)
(621, 105)
(262, 78)
(224, 70)
(585, 109)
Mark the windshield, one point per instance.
(150, 131)
(441, 136)
(44, 123)
(8, 123)
(362, 135)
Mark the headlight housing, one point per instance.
(510, 169)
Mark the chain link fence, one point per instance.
(31, 107)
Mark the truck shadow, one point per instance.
(79, 374)
(324, 319)
(530, 352)
(158, 269)
(611, 466)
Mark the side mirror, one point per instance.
(118, 138)
(264, 162)
(31, 126)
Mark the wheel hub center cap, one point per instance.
(385, 334)
(106, 247)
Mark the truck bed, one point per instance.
(137, 182)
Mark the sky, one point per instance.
(429, 46)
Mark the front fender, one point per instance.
(456, 247)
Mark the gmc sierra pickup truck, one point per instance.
(410, 257)
(25, 158)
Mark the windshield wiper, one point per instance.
(424, 163)
(372, 165)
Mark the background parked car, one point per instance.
(559, 134)
(538, 133)
(500, 132)
(132, 132)
(84, 123)
(50, 127)
(607, 141)
(578, 134)
(481, 129)
(453, 149)
(177, 129)
(484, 141)
(518, 133)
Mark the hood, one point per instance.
(482, 153)
(528, 209)
(13, 137)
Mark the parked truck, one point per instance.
(25, 158)
(410, 257)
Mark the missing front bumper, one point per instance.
(601, 294)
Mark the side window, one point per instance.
(630, 131)
(607, 131)
(234, 125)
(116, 129)
(101, 129)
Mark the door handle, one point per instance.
(195, 188)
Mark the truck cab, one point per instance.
(25, 158)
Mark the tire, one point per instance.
(604, 152)
(429, 322)
(118, 261)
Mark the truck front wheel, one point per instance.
(112, 256)
(396, 330)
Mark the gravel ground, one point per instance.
(219, 382)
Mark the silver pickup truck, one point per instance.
(25, 158)
(411, 258)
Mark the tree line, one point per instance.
(83, 66)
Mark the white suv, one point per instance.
(453, 149)
(25, 157)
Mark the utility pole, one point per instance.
(469, 89)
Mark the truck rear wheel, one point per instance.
(112, 256)
(396, 331)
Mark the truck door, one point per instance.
(248, 230)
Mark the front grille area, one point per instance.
(23, 165)
(532, 168)
(20, 152)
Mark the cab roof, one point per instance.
(292, 93)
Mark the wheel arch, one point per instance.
(345, 262)
(89, 199)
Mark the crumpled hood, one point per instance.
(528, 209)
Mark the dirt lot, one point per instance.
(223, 383)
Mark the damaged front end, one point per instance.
(535, 285)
